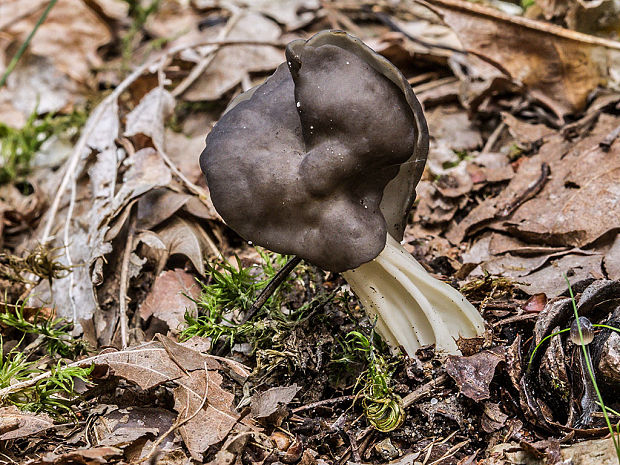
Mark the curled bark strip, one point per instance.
(526, 195)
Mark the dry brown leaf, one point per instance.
(231, 65)
(167, 299)
(175, 21)
(122, 427)
(213, 420)
(562, 213)
(265, 404)
(543, 273)
(146, 171)
(559, 66)
(550, 280)
(184, 151)
(473, 374)
(612, 260)
(200, 400)
(70, 35)
(149, 116)
(146, 365)
(592, 452)
(294, 14)
(16, 424)
(158, 205)
(433, 208)
(91, 456)
(493, 418)
(185, 238)
(581, 201)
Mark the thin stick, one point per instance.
(179, 422)
(526, 195)
(202, 66)
(606, 143)
(321, 403)
(490, 143)
(270, 288)
(122, 301)
(424, 390)
(355, 451)
(24, 46)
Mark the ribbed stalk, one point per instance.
(413, 309)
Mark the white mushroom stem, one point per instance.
(413, 309)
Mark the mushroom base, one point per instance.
(413, 309)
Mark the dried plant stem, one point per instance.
(424, 390)
(271, 287)
(24, 46)
(68, 251)
(201, 67)
(122, 299)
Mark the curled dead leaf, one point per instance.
(559, 66)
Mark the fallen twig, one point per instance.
(322, 403)
(122, 300)
(424, 390)
(180, 421)
(606, 143)
(526, 195)
(202, 66)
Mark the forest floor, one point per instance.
(123, 293)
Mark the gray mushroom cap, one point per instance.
(322, 159)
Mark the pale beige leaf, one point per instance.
(186, 238)
(149, 116)
(16, 424)
(231, 65)
(147, 365)
(167, 299)
(38, 84)
(70, 35)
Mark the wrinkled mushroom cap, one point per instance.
(322, 159)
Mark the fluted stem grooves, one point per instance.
(413, 309)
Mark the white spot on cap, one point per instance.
(298, 104)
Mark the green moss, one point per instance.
(18, 146)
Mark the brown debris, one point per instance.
(473, 374)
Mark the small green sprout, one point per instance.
(54, 395)
(382, 407)
(54, 333)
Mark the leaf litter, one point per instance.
(520, 189)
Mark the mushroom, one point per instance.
(321, 161)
